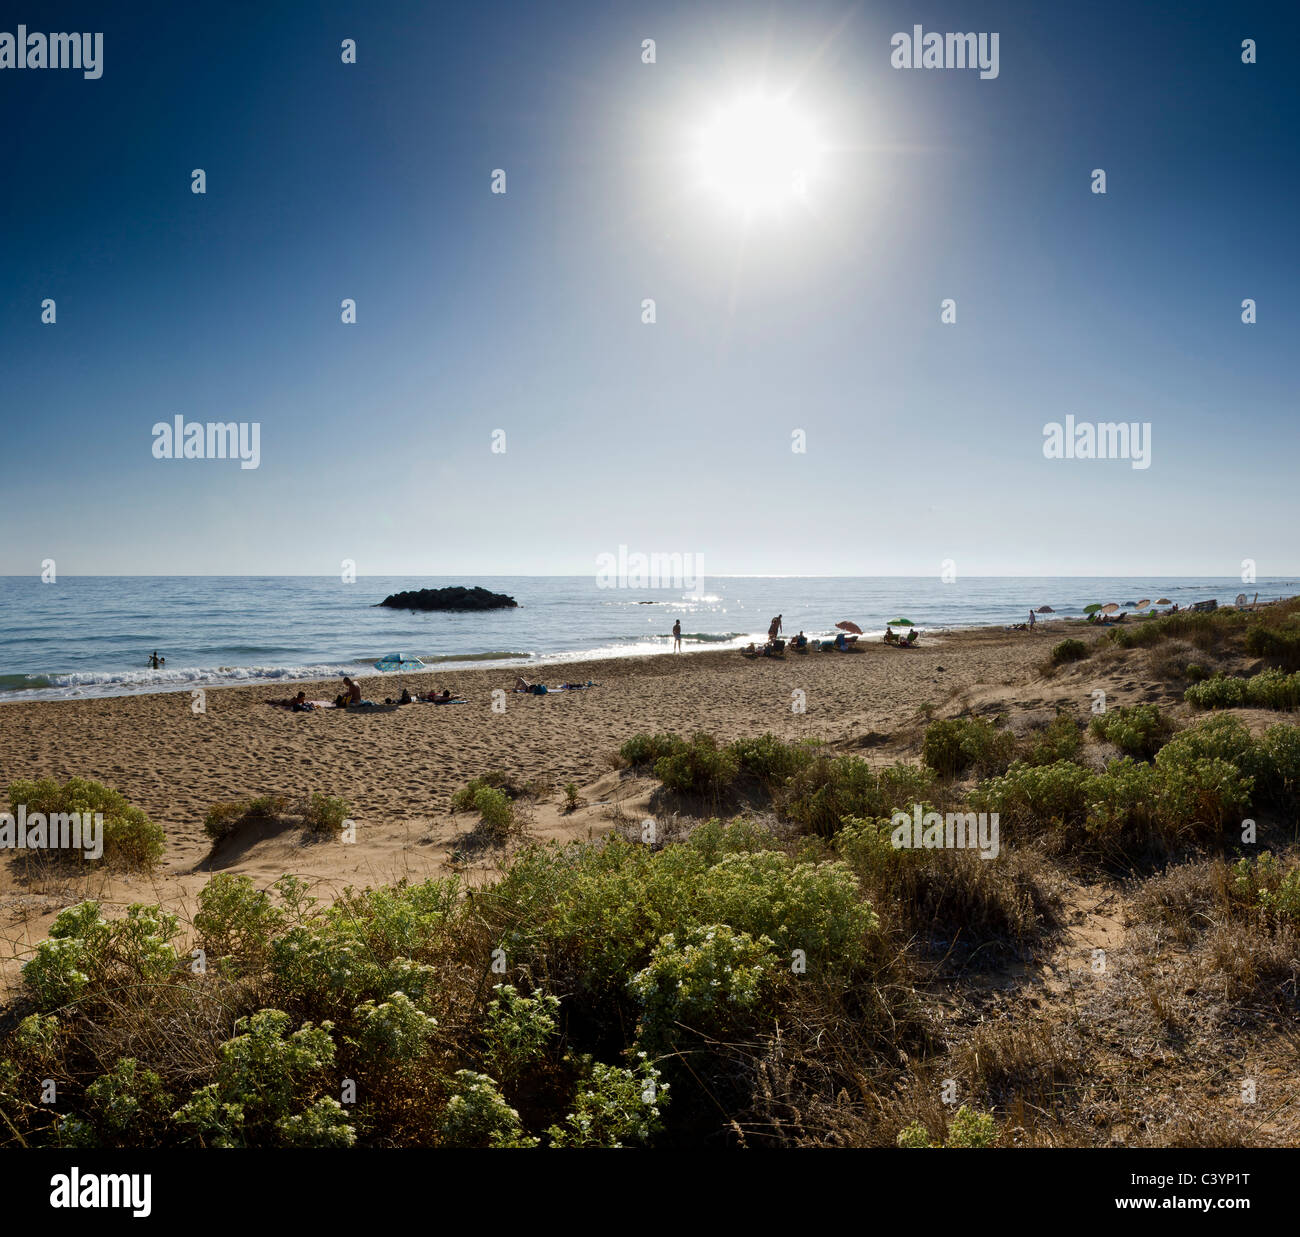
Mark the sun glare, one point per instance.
(758, 153)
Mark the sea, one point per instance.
(87, 636)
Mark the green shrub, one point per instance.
(224, 818)
(1215, 738)
(642, 750)
(87, 955)
(131, 840)
(264, 1079)
(463, 799)
(1138, 730)
(830, 790)
(613, 1107)
(1265, 885)
(496, 811)
(235, 921)
(393, 1033)
(944, 892)
(968, 1128)
(1218, 692)
(714, 981)
(1068, 651)
(951, 747)
(1059, 740)
(366, 947)
(478, 1116)
(518, 1028)
(1208, 793)
(699, 767)
(588, 916)
(1035, 797)
(325, 813)
(1278, 777)
(1278, 644)
(127, 1107)
(769, 760)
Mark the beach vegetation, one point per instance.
(1060, 739)
(1068, 651)
(954, 745)
(1269, 888)
(831, 789)
(699, 767)
(643, 750)
(131, 841)
(325, 813)
(1138, 730)
(223, 819)
(235, 921)
(934, 895)
(1270, 689)
(968, 1128)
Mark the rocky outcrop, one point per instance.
(456, 598)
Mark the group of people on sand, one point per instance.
(351, 697)
(842, 643)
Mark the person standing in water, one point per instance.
(677, 636)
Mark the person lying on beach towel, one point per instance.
(300, 703)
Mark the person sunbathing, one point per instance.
(522, 684)
(300, 703)
(354, 690)
(911, 638)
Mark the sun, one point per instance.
(758, 153)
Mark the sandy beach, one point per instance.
(398, 769)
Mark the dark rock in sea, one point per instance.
(455, 598)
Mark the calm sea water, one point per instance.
(92, 635)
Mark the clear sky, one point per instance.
(522, 311)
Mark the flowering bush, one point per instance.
(517, 1028)
(478, 1116)
(263, 1078)
(713, 980)
(613, 1107)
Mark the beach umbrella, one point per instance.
(1046, 610)
(1142, 605)
(1109, 608)
(395, 662)
(1163, 601)
(901, 622)
(848, 626)
(1092, 609)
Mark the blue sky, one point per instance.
(522, 312)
